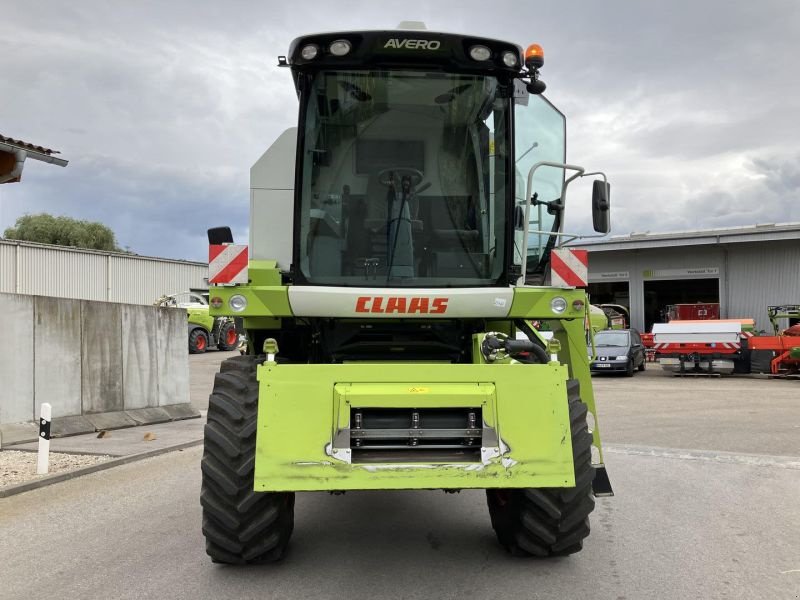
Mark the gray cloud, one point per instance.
(163, 107)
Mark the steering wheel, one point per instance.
(388, 176)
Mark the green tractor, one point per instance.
(205, 331)
(400, 239)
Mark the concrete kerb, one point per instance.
(114, 462)
(21, 433)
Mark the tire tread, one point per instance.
(546, 522)
(240, 525)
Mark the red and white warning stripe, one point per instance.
(569, 268)
(227, 263)
(697, 347)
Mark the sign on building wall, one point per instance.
(609, 276)
(693, 273)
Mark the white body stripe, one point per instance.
(318, 301)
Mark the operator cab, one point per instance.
(413, 150)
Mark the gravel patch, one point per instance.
(18, 467)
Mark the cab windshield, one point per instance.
(403, 179)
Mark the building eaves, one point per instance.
(729, 235)
(27, 145)
(34, 151)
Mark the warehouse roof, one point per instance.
(761, 232)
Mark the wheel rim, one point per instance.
(230, 340)
(200, 344)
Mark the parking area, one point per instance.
(655, 408)
(725, 414)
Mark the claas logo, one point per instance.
(401, 305)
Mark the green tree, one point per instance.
(62, 231)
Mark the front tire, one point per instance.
(546, 522)
(629, 370)
(198, 341)
(240, 525)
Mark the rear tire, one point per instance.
(240, 526)
(228, 338)
(198, 341)
(642, 366)
(546, 522)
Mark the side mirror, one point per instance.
(601, 206)
(519, 218)
(220, 235)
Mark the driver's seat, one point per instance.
(381, 235)
(377, 207)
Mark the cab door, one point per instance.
(539, 135)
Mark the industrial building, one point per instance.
(46, 270)
(745, 269)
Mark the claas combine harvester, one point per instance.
(399, 246)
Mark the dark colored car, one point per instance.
(618, 350)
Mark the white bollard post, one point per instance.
(43, 461)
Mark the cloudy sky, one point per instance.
(692, 108)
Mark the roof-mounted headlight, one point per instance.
(510, 59)
(340, 47)
(309, 52)
(480, 53)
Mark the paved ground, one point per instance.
(202, 368)
(677, 529)
(124, 442)
(740, 414)
(718, 522)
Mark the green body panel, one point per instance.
(573, 353)
(201, 317)
(263, 272)
(302, 407)
(261, 323)
(262, 301)
(534, 303)
(266, 296)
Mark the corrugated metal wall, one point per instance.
(8, 268)
(54, 272)
(143, 281)
(762, 275)
(90, 275)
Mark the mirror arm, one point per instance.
(579, 171)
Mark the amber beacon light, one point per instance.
(534, 56)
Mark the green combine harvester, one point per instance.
(399, 251)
